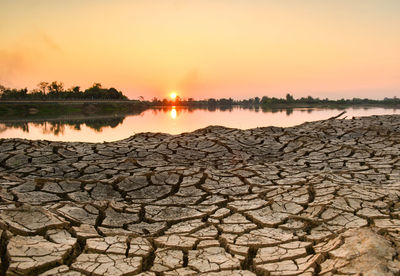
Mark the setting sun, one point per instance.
(173, 95)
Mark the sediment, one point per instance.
(321, 198)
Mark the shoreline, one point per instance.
(42, 109)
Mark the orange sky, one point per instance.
(205, 48)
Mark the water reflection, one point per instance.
(173, 120)
(58, 127)
(173, 112)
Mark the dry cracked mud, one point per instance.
(321, 198)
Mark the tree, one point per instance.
(55, 87)
(24, 92)
(112, 93)
(289, 98)
(212, 101)
(76, 89)
(265, 100)
(96, 85)
(43, 86)
(93, 92)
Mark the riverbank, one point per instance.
(31, 110)
(321, 197)
(12, 110)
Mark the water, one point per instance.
(168, 120)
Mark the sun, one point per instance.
(173, 95)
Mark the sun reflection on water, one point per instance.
(173, 112)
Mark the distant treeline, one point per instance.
(267, 102)
(55, 91)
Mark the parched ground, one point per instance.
(321, 198)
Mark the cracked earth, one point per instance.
(321, 198)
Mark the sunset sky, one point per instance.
(205, 48)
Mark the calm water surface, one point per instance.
(168, 120)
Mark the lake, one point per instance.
(173, 120)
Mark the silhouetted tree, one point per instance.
(2, 88)
(289, 98)
(55, 87)
(76, 89)
(43, 86)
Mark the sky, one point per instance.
(205, 48)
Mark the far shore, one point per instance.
(37, 109)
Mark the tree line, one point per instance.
(267, 102)
(55, 91)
